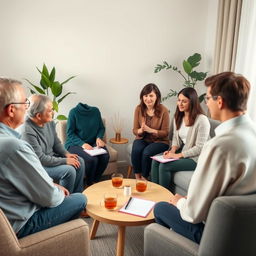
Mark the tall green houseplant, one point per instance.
(50, 87)
(190, 76)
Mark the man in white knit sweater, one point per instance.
(226, 166)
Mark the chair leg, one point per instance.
(129, 171)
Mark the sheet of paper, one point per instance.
(95, 151)
(161, 159)
(139, 207)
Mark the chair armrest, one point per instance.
(159, 240)
(70, 238)
(112, 153)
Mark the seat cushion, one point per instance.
(182, 179)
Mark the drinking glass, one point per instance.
(117, 180)
(110, 201)
(141, 185)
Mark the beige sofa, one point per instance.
(70, 238)
(112, 165)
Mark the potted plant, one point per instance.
(191, 76)
(50, 87)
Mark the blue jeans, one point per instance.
(45, 218)
(94, 165)
(141, 153)
(68, 176)
(168, 215)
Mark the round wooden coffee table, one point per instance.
(97, 211)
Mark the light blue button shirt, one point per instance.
(25, 186)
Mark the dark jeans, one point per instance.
(94, 165)
(161, 173)
(45, 218)
(168, 215)
(141, 153)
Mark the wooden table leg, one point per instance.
(120, 241)
(94, 228)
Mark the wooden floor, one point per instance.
(104, 243)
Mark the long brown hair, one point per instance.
(194, 107)
(146, 90)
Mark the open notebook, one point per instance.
(161, 159)
(95, 151)
(137, 206)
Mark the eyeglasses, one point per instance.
(206, 98)
(26, 103)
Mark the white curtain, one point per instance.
(246, 51)
(229, 13)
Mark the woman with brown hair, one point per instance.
(151, 127)
(191, 129)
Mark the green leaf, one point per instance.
(45, 82)
(41, 91)
(68, 80)
(194, 60)
(187, 67)
(198, 76)
(52, 75)
(172, 93)
(62, 117)
(32, 91)
(39, 70)
(201, 97)
(62, 98)
(56, 89)
(55, 106)
(45, 71)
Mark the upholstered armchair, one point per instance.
(230, 230)
(70, 238)
(112, 164)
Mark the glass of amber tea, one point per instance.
(110, 201)
(117, 180)
(141, 185)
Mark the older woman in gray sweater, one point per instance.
(191, 129)
(39, 131)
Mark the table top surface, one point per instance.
(121, 141)
(95, 206)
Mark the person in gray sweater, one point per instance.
(39, 131)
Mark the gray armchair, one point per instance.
(230, 230)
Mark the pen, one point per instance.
(128, 203)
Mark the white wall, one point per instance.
(111, 46)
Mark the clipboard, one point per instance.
(138, 207)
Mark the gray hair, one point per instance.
(8, 92)
(37, 104)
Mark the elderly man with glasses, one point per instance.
(28, 196)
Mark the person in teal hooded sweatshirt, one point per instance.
(85, 130)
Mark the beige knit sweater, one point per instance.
(197, 135)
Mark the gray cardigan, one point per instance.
(197, 135)
(45, 142)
